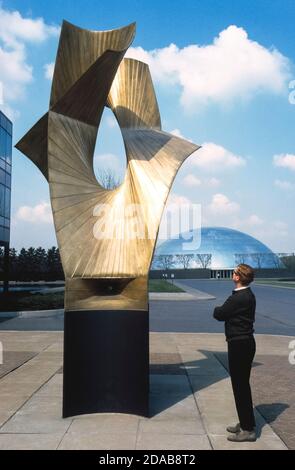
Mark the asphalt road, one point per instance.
(275, 313)
(275, 309)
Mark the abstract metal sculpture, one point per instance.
(106, 361)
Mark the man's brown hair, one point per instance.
(245, 272)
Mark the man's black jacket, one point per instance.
(238, 313)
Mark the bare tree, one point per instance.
(165, 261)
(185, 260)
(108, 178)
(288, 259)
(204, 259)
(275, 260)
(258, 258)
(241, 258)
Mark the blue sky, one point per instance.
(222, 72)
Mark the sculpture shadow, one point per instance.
(181, 379)
(222, 358)
(270, 412)
(172, 382)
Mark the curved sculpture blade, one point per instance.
(106, 238)
(34, 144)
(85, 66)
(79, 49)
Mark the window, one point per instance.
(5, 176)
(9, 127)
(2, 143)
(8, 180)
(8, 168)
(6, 235)
(8, 147)
(2, 176)
(2, 200)
(3, 120)
(7, 203)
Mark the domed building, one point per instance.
(221, 249)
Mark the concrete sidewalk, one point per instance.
(189, 294)
(191, 400)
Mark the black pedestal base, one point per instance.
(106, 362)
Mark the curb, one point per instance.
(32, 313)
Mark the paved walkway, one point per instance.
(190, 397)
(190, 293)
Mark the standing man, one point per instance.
(238, 313)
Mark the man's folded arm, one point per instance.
(225, 311)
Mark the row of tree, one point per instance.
(199, 260)
(33, 264)
(204, 260)
(269, 260)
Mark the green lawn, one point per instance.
(18, 301)
(160, 285)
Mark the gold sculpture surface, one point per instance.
(104, 270)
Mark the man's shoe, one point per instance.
(234, 429)
(243, 436)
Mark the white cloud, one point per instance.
(280, 225)
(15, 33)
(212, 182)
(48, 70)
(215, 157)
(248, 223)
(177, 200)
(177, 133)
(10, 112)
(274, 234)
(221, 205)
(191, 181)
(231, 217)
(15, 28)
(231, 67)
(107, 160)
(281, 228)
(285, 160)
(285, 185)
(254, 220)
(180, 215)
(175, 203)
(39, 214)
(212, 157)
(15, 73)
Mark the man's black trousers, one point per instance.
(240, 356)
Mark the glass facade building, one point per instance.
(227, 247)
(5, 176)
(5, 183)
